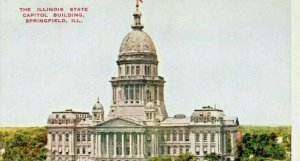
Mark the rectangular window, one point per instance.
(169, 150)
(197, 137)
(180, 135)
(131, 92)
(212, 137)
(67, 137)
(126, 92)
(132, 70)
(53, 137)
(59, 138)
(168, 136)
(187, 136)
(89, 136)
(174, 136)
(204, 137)
(137, 70)
(137, 92)
(78, 137)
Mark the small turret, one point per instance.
(98, 111)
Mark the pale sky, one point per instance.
(235, 54)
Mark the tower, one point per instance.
(98, 112)
(137, 82)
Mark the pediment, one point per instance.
(119, 122)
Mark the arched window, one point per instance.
(89, 136)
(204, 137)
(53, 137)
(212, 137)
(83, 150)
(83, 136)
(78, 150)
(148, 94)
(78, 136)
(137, 70)
(127, 70)
(132, 70)
(59, 137)
(67, 137)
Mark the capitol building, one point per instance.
(137, 125)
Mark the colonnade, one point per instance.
(118, 145)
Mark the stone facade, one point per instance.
(138, 126)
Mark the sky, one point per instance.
(235, 54)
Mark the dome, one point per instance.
(98, 105)
(137, 41)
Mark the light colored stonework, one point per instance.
(138, 126)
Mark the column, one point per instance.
(152, 145)
(99, 145)
(224, 143)
(138, 144)
(208, 143)
(123, 145)
(92, 144)
(63, 142)
(171, 136)
(142, 145)
(130, 144)
(115, 144)
(192, 140)
(217, 142)
(201, 143)
(107, 145)
(183, 136)
(56, 142)
(70, 143)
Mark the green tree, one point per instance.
(26, 145)
(159, 159)
(213, 157)
(185, 157)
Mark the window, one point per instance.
(127, 70)
(89, 136)
(78, 136)
(212, 137)
(67, 137)
(168, 136)
(137, 92)
(53, 137)
(132, 70)
(187, 136)
(131, 92)
(204, 137)
(175, 150)
(162, 150)
(162, 136)
(146, 70)
(83, 150)
(83, 136)
(148, 95)
(155, 93)
(180, 135)
(174, 136)
(137, 70)
(187, 149)
(60, 138)
(126, 92)
(169, 150)
(180, 150)
(78, 150)
(197, 137)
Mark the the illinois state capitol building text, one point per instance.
(137, 125)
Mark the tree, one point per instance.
(185, 157)
(26, 145)
(213, 157)
(159, 159)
